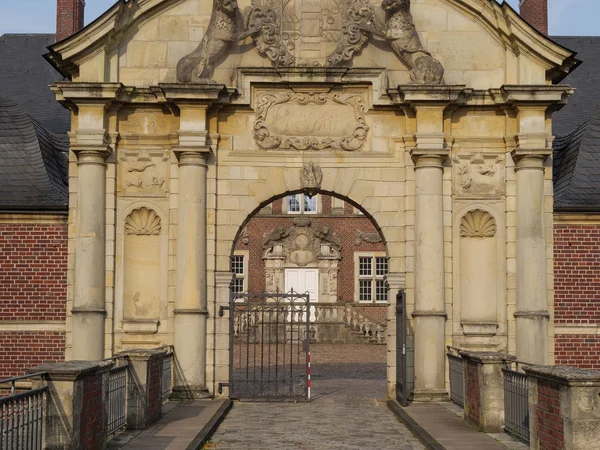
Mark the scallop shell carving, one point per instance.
(142, 222)
(477, 223)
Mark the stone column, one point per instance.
(89, 283)
(532, 303)
(190, 300)
(430, 304)
(395, 282)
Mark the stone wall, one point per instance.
(576, 288)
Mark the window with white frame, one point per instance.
(239, 265)
(371, 279)
(301, 204)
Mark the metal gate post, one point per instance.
(401, 375)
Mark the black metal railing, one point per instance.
(457, 377)
(22, 415)
(117, 395)
(165, 380)
(516, 407)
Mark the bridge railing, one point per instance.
(457, 376)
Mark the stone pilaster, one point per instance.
(395, 282)
(222, 330)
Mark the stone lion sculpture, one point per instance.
(399, 30)
(223, 30)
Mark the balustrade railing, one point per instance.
(457, 376)
(370, 328)
(22, 415)
(516, 406)
(117, 395)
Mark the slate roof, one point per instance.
(25, 76)
(33, 163)
(585, 79)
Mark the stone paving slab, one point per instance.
(449, 430)
(187, 425)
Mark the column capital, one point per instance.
(396, 281)
(428, 158)
(223, 279)
(91, 146)
(530, 159)
(192, 156)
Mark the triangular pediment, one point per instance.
(470, 42)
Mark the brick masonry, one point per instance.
(92, 412)
(69, 18)
(33, 271)
(577, 292)
(472, 394)
(21, 350)
(536, 13)
(550, 427)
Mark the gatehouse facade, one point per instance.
(432, 118)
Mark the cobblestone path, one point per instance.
(348, 410)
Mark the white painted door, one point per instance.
(302, 281)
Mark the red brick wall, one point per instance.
(344, 226)
(550, 431)
(472, 396)
(581, 350)
(21, 350)
(154, 391)
(33, 271)
(536, 13)
(577, 292)
(92, 423)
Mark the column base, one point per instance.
(430, 395)
(189, 393)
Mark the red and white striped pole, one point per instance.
(308, 375)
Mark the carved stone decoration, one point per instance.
(143, 222)
(478, 223)
(143, 173)
(266, 16)
(356, 15)
(311, 178)
(304, 121)
(309, 33)
(223, 30)
(400, 31)
(370, 238)
(478, 175)
(300, 245)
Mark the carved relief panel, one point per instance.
(143, 173)
(478, 175)
(334, 120)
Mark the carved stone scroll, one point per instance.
(143, 222)
(478, 176)
(477, 223)
(303, 121)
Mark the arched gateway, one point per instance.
(434, 118)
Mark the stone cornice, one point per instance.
(565, 375)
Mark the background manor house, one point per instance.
(351, 149)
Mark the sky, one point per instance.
(567, 17)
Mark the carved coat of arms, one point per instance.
(309, 32)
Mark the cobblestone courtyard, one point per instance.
(348, 409)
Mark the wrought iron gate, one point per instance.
(401, 376)
(269, 345)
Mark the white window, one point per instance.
(239, 267)
(371, 286)
(301, 204)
